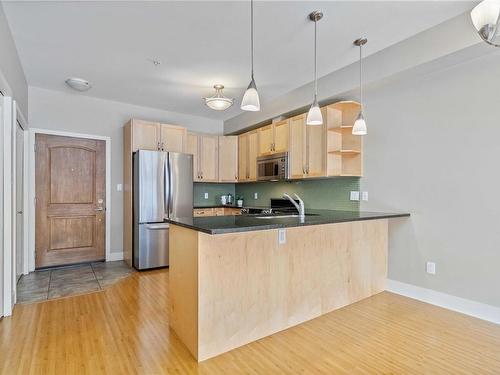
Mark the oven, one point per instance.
(273, 167)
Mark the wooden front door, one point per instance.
(70, 200)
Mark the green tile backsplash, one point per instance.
(214, 192)
(331, 193)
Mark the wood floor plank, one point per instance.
(125, 330)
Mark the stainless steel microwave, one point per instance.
(273, 167)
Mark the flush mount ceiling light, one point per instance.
(359, 127)
(219, 102)
(250, 101)
(78, 84)
(314, 116)
(486, 19)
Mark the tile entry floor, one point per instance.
(66, 281)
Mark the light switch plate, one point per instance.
(430, 268)
(255, 195)
(364, 196)
(206, 195)
(355, 195)
(119, 187)
(281, 236)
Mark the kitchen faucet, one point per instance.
(299, 206)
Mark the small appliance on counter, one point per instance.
(163, 188)
(226, 199)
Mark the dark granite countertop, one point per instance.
(216, 206)
(248, 223)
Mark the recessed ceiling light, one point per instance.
(78, 84)
(219, 102)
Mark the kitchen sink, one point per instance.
(282, 216)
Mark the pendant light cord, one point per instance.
(360, 77)
(315, 60)
(251, 33)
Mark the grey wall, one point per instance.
(81, 114)
(214, 193)
(433, 149)
(12, 79)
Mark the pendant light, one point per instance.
(250, 101)
(359, 127)
(486, 19)
(314, 116)
(219, 102)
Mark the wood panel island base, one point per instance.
(227, 290)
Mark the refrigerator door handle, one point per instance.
(170, 196)
(166, 187)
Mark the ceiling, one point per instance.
(202, 43)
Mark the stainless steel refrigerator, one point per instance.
(163, 188)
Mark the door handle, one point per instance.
(20, 212)
(99, 209)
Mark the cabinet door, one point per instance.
(228, 159)
(297, 146)
(315, 153)
(281, 135)
(266, 140)
(192, 148)
(209, 159)
(173, 138)
(243, 157)
(145, 135)
(253, 147)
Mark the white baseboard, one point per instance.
(114, 256)
(462, 305)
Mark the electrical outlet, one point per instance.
(430, 268)
(119, 187)
(355, 195)
(255, 195)
(206, 195)
(364, 196)
(281, 236)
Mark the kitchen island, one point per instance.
(236, 279)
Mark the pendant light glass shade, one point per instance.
(486, 18)
(359, 127)
(219, 102)
(250, 101)
(314, 116)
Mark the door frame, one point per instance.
(32, 189)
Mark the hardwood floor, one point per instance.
(124, 329)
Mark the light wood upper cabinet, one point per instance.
(266, 140)
(247, 156)
(205, 151)
(297, 146)
(307, 156)
(173, 138)
(281, 135)
(145, 135)
(228, 158)
(155, 136)
(209, 158)
(252, 156)
(273, 138)
(243, 157)
(192, 148)
(315, 154)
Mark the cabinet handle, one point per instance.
(162, 147)
(158, 146)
